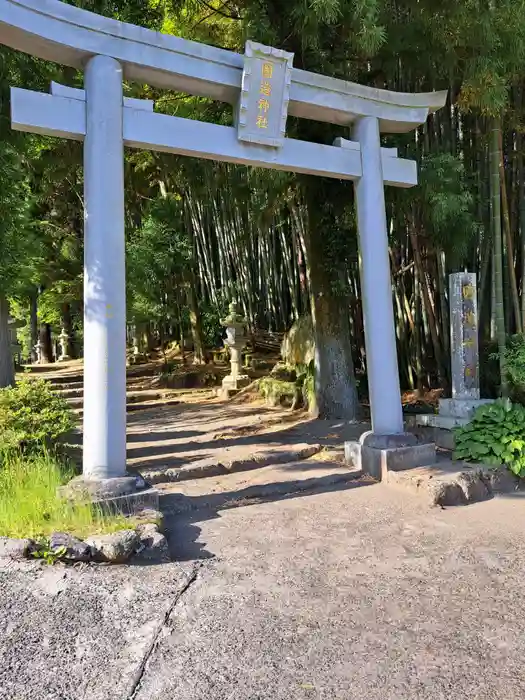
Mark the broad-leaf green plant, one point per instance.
(495, 436)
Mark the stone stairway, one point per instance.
(68, 383)
(220, 455)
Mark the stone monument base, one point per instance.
(453, 413)
(127, 494)
(64, 358)
(376, 455)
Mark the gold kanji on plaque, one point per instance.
(267, 70)
(468, 372)
(468, 291)
(266, 88)
(469, 343)
(263, 104)
(262, 122)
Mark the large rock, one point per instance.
(117, 547)
(153, 544)
(75, 549)
(11, 548)
(298, 346)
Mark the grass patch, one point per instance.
(30, 507)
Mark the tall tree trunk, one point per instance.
(432, 323)
(45, 339)
(508, 237)
(521, 177)
(442, 286)
(7, 367)
(495, 158)
(195, 320)
(68, 327)
(335, 382)
(33, 324)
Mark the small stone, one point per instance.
(501, 480)
(11, 548)
(140, 483)
(148, 516)
(473, 486)
(446, 493)
(116, 547)
(76, 550)
(154, 544)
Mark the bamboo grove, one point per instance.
(200, 233)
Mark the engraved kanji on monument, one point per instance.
(265, 93)
(464, 336)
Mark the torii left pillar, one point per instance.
(104, 275)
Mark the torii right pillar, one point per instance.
(387, 446)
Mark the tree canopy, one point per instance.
(199, 232)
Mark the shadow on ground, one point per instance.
(182, 527)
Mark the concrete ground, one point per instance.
(357, 593)
(360, 592)
(346, 590)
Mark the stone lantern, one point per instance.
(235, 340)
(39, 347)
(63, 340)
(13, 325)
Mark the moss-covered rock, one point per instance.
(298, 346)
(279, 393)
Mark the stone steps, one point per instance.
(75, 397)
(138, 406)
(229, 462)
(272, 481)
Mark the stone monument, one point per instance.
(63, 340)
(235, 325)
(464, 351)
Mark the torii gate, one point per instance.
(264, 88)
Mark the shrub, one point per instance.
(30, 506)
(496, 435)
(32, 416)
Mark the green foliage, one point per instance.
(496, 435)
(30, 506)
(158, 252)
(50, 556)
(515, 367)
(211, 314)
(33, 417)
(278, 392)
(447, 203)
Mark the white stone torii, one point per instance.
(109, 51)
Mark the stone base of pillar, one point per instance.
(64, 358)
(127, 494)
(231, 383)
(376, 455)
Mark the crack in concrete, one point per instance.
(139, 673)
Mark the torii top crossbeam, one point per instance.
(70, 36)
